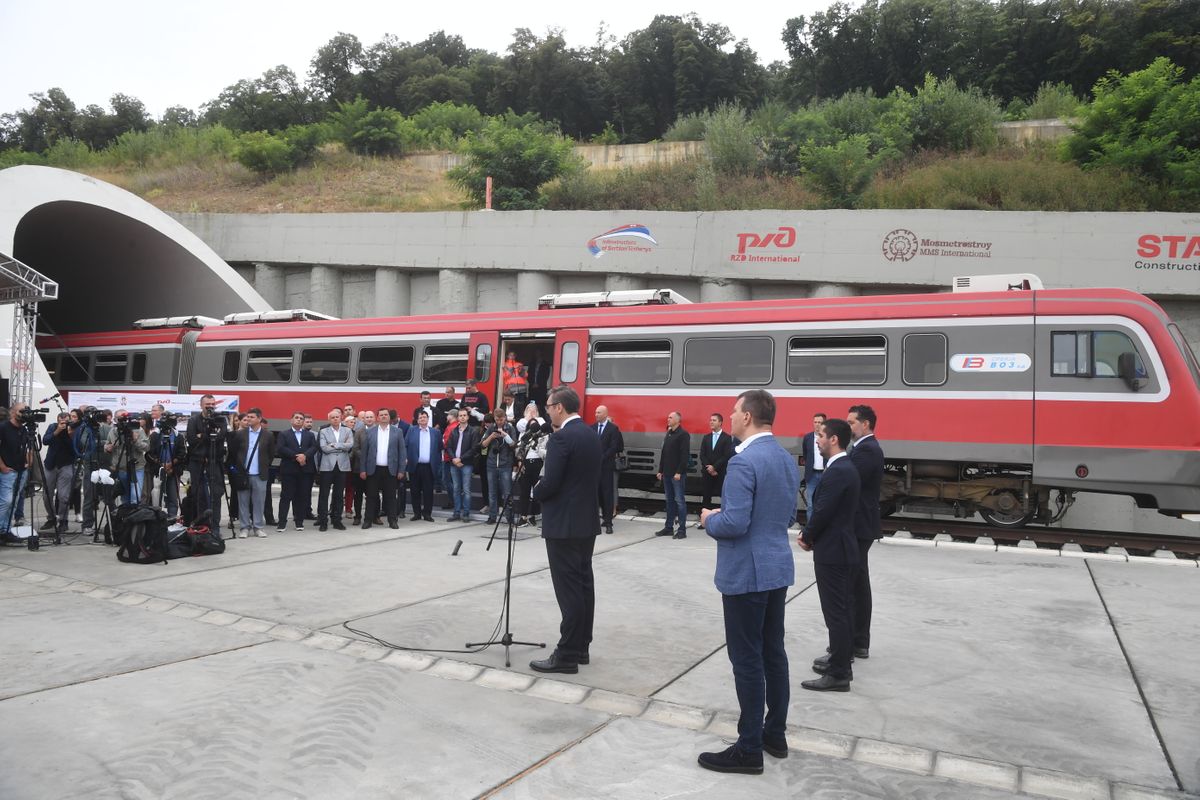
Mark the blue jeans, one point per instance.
(754, 639)
(447, 485)
(460, 478)
(132, 492)
(499, 487)
(676, 502)
(810, 488)
(9, 488)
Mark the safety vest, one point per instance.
(514, 376)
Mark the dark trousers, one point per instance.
(526, 505)
(710, 487)
(351, 481)
(575, 591)
(327, 507)
(380, 483)
(860, 602)
(754, 638)
(608, 493)
(481, 471)
(207, 489)
(295, 493)
(420, 478)
(268, 508)
(834, 589)
(401, 496)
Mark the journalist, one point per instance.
(60, 470)
(207, 433)
(165, 459)
(15, 460)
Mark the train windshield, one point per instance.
(1186, 349)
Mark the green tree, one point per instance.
(270, 102)
(520, 156)
(52, 118)
(1147, 122)
(842, 171)
(333, 71)
(264, 153)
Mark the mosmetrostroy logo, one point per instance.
(615, 240)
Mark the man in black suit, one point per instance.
(297, 451)
(829, 534)
(716, 448)
(867, 457)
(612, 442)
(570, 524)
(206, 435)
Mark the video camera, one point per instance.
(30, 417)
(167, 422)
(128, 423)
(93, 418)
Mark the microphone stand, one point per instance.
(507, 639)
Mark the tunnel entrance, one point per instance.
(113, 269)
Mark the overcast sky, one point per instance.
(169, 52)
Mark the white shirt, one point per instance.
(818, 459)
(746, 443)
(423, 445)
(835, 458)
(854, 443)
(382, 439)
(568, 419)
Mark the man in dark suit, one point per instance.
(867, 457)
(611, 442)
(829, 534)
(381, 463)
(814, 462)
(754, 569)
(716, 448)
(297, 451)
(424, 450)
(570, 524)
(672, 471)
(251, 450)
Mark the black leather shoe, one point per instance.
(415, 517)
(394, 524)
(664, 532)
(337, 526)
(823, 669)
(827, 683)
(822, 663)
(428, 519)
(733, 760)
(366, 526)
(358, 520)
(775, 747)
(322, 527)
(608, 528)
(554, 663)
(585, 659)
(680, 535)
(862, 652)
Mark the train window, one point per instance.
(324, 365)
(1071, 354)
(855, 360)
(385, 365)
(75, 368)
(232, 366)
(1107, 347)
(138, 373)
(568, 364)
(269, 366)
(483, 362)
(444, 363)
(110, 368)
(736, 361)
(924, 362)
(632, 361)
(1091, 354)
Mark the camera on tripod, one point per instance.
(128, 423)
(30, 417)
(167, 422)
(93, 418)
(214, 424)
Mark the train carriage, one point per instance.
(1003, 403)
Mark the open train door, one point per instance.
(570, 363)
(481, 363)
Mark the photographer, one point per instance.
(500, 438)
(166, 458)
(60, 469)
(127, 442)
(14, 461)
(205, 437)
(86, 441)
(531, 452)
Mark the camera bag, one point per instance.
(141, 534)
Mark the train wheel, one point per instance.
(1009, 514)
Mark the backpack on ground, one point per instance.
(141, 534)
(179, 544)
(205, 540)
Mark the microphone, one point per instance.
(54, 396)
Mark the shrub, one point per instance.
(1054, 101)
(17, 158)
(940, 116)
(442, 125)
(608, 136)
(688, 128)
(730, 140)
(69, 154)
(520, 154)
(264, 153)
(840, 171)
(304, 140)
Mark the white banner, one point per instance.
(136, 402)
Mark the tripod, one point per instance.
(212, 475)
(507, 639)
(29, 446)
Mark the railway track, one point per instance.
(1135, 544)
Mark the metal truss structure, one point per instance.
(23, 287)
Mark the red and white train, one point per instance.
(997, 402)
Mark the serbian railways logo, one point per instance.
(900, 245)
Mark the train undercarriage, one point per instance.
(1004, 495)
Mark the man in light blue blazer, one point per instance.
(754, 568)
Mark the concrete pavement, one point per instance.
(993, 674)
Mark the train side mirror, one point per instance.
(1127, 368)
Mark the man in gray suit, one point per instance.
(335, 442)
(754, 568)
